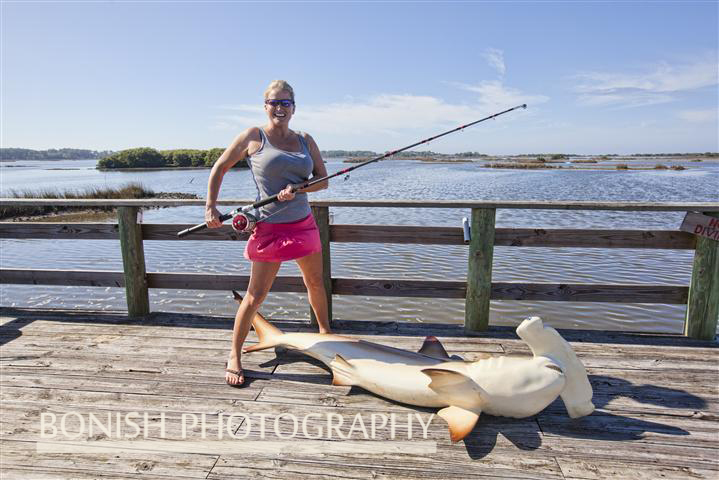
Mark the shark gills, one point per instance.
(498, 385)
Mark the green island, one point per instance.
(146, 157)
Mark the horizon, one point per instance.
(323, 151)
(598, 78)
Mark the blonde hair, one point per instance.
(280, 85)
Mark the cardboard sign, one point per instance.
(702, 225)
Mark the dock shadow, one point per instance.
(11, 330)
(608, 426)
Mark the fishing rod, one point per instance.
(244, 221)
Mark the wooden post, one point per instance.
(322, 217)
(703, 301)
(133, 261)
(479, 270)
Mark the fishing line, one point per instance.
(243, 211)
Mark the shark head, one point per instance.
(546, 341)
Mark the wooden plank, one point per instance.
(398, 288)
(447, 463)
(396, 234)
(30, 472)
(527, 237)
(703, 303)
(515, 237)
(587, 448)
(649, 428)
(401, 234)
(204, 281)
(322, 218)
(525, 205)
(153, 464)
(126, 402)
(534, 205)
(667, 294)
(133, 261)
(168, 231)
(24, 422)
(85, 231)
(479, 270)
(637, 361)
(590, 469)
(83, 278)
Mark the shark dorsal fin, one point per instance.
(455, 388)
(459, 420)
(343, 373)
(433, 348)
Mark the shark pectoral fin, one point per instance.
(459, 420)
(455, 388)
(343, 373)
(433, 348)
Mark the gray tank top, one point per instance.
(272, 169)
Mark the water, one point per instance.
(390, 180)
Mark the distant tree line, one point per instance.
(405, 154)
(52, 154)
(705, 154)
(150, 158)
(347, 153)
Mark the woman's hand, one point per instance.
(212, 217)
(287, 193)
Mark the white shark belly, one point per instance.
(398, 382)
(386, 371)
(518, 387)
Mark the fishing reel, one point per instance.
(244, 222)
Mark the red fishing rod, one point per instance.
(244, 221)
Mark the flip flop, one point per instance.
(239, 373)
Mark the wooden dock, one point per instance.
(657, 399)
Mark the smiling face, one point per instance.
(277, 113)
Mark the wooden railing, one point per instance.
(701, 296)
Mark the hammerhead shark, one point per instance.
(503, 385)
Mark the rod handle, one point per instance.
(265, 201)
(201, 226)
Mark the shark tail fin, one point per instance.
(268, 334)
(460, 421)
(343, 373)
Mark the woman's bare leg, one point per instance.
(261, 277)
(311, 267)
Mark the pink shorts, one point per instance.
(278, 242)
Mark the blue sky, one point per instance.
(598, 77)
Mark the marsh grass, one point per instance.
(519, 165)
(130, 190)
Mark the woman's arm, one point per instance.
(318, 169)
(236, 152)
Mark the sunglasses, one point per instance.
(284, 103)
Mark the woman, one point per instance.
(280, 160)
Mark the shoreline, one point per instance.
(81, 215)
